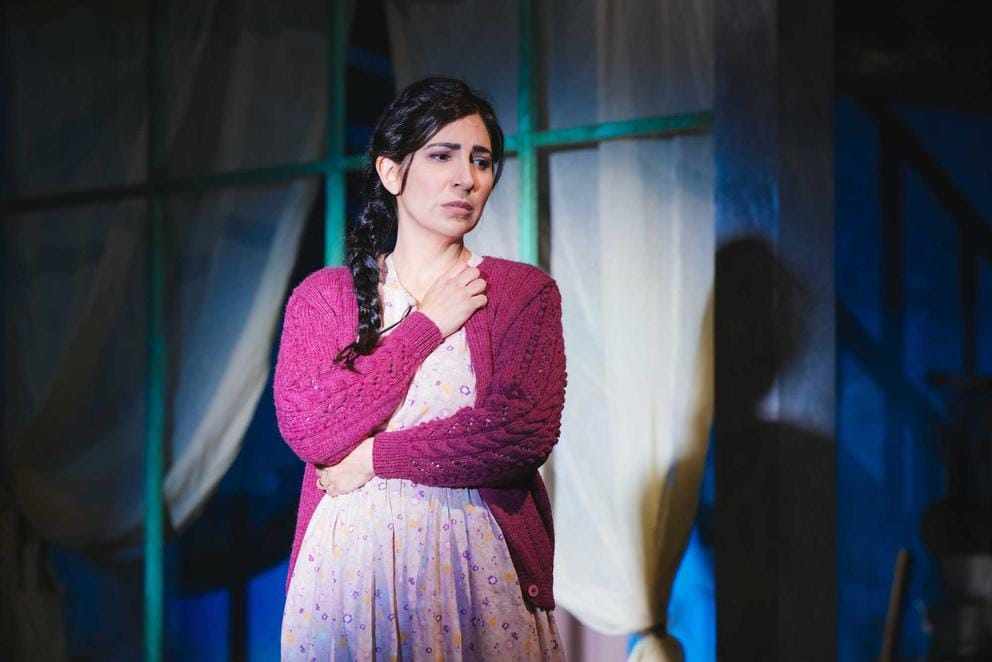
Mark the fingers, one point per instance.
(324, 481)
(465, 276)
(477, 286)
(339, 483)
(456, 269)
(329, 489)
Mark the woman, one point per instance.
(423, 387)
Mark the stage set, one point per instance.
(770, 225)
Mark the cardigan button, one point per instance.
(533, 590)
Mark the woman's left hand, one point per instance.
(350, 473)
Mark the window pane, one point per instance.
(246, 83)
(474, 41)
(222, 244)
(620, 61)
(73, 116)
(497, 233)
(74, 358)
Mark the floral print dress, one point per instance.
(401, 571)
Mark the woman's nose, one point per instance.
(464, 176)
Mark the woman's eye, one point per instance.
(482, 163)
(440, 156)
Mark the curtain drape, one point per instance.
(639, 271)
(632, 248)
(74, 342)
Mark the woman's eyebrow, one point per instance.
(455, 146)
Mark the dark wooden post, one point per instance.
(775, 521)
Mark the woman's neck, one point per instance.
(418, 266)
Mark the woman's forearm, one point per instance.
(508, 435)
(323, 409)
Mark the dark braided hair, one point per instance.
(413, 118)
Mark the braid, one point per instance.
(373, 233)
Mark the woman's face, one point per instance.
(448, 181)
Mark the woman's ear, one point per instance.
(390, 174)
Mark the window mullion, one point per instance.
(334, 178)
(155, 411)
(527, 156)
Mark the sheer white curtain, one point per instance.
(632, 246)
(245, 87)
(635, 260)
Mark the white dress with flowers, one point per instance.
(401, 571)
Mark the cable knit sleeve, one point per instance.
(323, 409)
(508, 435)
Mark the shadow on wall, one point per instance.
(770, 490)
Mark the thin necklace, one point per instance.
(397, 274)
(406, 289)
(408, 309)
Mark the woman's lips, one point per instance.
(459, 207)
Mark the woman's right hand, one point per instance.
(454, 296)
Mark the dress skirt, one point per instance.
(400, 571)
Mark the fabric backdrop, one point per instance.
(631, 239)
(74, 278)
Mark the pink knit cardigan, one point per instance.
(515, 341)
